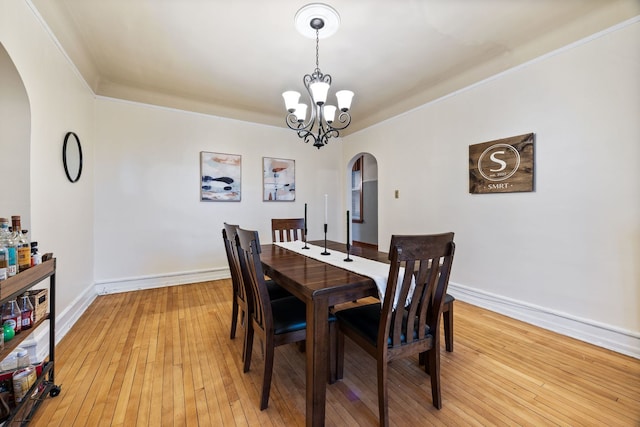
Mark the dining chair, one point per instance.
(277, 322)
(287, 229)
(389, 333)
(239, 304)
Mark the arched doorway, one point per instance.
(15, 140)
(363, 199)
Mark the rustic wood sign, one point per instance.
(502, 166)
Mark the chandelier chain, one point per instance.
(317, 49)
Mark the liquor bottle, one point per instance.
(24, 248)
(26, 312)
(12, 250)
(11, 316)
(4, 260)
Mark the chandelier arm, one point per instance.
(330, 133)
(344, 118)
(303, 132)
(294, 124)
(308, 137)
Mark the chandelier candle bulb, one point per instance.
(344, 99)
(319, 92)
(329, 113)
(301, 112)
(291, 100)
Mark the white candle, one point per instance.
(326, 212)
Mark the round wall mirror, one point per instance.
(72, 156)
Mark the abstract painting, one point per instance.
(278, 179)
(220, 177)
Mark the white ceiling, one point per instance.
(235, 58)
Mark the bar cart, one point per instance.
(10, 289)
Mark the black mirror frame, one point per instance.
(64, 156)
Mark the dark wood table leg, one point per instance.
(317, 360)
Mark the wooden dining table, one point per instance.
(320, 286)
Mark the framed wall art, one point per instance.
(278, 179)
(502, 166)
(220, 178)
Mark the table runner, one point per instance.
(376, 270)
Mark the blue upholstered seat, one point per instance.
(289, 315)
(365, 320)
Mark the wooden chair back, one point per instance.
(254, 281)
(229, 236)
(287, 229)
(427, 259)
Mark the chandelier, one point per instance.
(322, 123)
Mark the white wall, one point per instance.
(150, 224)
(61, 212)
(570, 249)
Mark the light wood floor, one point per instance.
(163, 357)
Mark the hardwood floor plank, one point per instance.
(163, 357)
(195, 396)
(156, 358)
(167, 333)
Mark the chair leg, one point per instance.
(383, 398)
(268, 373)
(333, 348)
(339, 353)
(234, 318)
(447, 317)
(433, 363)
(248, 345)
(245, 329)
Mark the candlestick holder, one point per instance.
(305, 238)
(325, 242)
(305, 228)
(348, 259)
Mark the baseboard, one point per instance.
(159, 281)
(602, 335)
